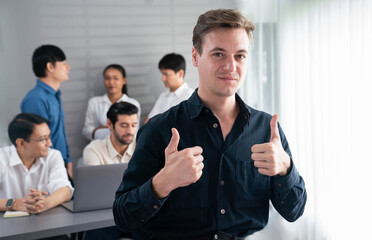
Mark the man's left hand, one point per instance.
(270, 158)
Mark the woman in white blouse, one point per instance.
(95, 119)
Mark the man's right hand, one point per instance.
(181, 169)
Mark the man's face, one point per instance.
(171, 79)
(125, 128)
(222, 65)
(39, 142)
(60, 71)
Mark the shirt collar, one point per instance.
(110, 147)
(131, 148)
(112, 151)
(244, 108)
(123, 98)
(15, 160)
(180, 89)
(198, 105)
(47, 88)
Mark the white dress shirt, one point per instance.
(47, 174)
(97, 110)
(169, 99)
(102, 152)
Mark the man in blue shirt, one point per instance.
(207, 168)
(50, 66)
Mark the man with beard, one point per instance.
(119, 146)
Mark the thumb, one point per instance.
(274, 128)
(173, 143)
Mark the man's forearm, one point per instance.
(60, 196)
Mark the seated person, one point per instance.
(172, 67)
(119, 146)
(33, 177)
(95, 119)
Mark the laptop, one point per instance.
(95, 187)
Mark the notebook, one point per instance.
(95, 187)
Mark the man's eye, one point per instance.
(217, 54)
(241, 56)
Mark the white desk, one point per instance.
(54, 222)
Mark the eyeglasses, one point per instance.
(42, 140)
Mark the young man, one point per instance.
(172, 67)
(208, 168)
(119, 146)
(49, 65)
(32, 176)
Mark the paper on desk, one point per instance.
(9, 214)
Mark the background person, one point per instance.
(50, 66)
(115, 81)
(32, 176)
(119, 146)
(173, 68)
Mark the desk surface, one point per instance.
(54, 222)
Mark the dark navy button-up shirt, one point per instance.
(46, 102)
(230, 196)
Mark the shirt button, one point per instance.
(222, 182)
(215, 125)
(279, 185)
(206, 110)
(142, 220)
(155, 206)
(215, 236)
(223, 211)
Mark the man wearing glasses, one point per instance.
(32, 176)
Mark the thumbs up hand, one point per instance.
(181, 169)
(270, 158)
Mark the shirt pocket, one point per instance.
(251, 188)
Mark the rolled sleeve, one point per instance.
(57, 173)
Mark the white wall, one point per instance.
(93, 34)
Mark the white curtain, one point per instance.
(325, 93)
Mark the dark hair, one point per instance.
(219, 18)
(44, 54)
(173, 61)
(120, 108)
(22, 126)
(123, 73)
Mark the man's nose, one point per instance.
(49, 142)
(132, 130)
(229, 64)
